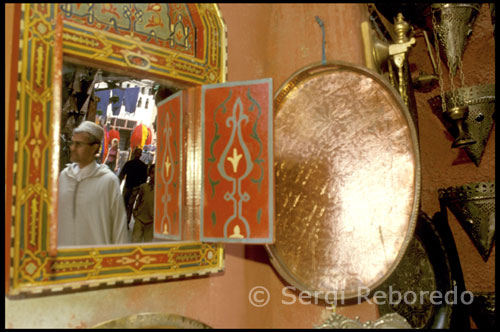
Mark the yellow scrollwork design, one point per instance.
(235, 159)
(34, 219)
(40, 58)
(36, 141)
(167, 166)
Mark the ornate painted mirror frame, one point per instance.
(192, 52)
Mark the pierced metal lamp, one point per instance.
(452, 25)
(474, 206)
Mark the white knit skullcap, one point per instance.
(91, 128)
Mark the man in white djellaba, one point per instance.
(90, 205)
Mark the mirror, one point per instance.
(189, 50)
(126, 108)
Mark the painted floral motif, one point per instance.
(237, 159)
(168, 185)
(161, 24)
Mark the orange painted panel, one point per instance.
(237, 161)
(169, 169)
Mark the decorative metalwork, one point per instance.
(431, 265)
(152, 321)
(336, 127)
(398, 52)
(474, 206)
(454, 26)
(480, 100)
(414, 273)
(386, 50)
(389, 321)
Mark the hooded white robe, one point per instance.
(90, 207)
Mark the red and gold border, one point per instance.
(124, 49)
(34, 263)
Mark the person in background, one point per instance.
(136, 173)
(112, 155)
(90, 205)
(144, 210)
(148, 153)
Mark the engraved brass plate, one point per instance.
(347, 180)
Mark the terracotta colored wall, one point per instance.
(275, 41)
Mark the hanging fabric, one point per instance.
(139, 136)
(113, 133)
(130, 99)
(105, 144)
(117, 104)
(87, 109)
(102, 103)
(149, 138)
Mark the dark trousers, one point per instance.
(129, 196)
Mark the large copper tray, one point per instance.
(347, 180)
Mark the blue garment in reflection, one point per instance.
(130, 99)
(117, 105)
(102, 104)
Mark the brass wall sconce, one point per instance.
(457, 113)
(474, 117)
(474, 206)
(453, 25)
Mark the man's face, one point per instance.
(82, 151)
(137, 153)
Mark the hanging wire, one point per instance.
(438, 60)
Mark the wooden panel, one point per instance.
(169, 169)
(237, 162)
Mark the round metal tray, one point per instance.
(347, 174)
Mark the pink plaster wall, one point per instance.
(275, 40)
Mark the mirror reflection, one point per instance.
(107, 156)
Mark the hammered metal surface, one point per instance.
(346, 176)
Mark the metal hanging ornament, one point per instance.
(454, 26)
(480, 101)
(474, 206)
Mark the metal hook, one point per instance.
(322, 26)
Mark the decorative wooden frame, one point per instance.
(34, 264)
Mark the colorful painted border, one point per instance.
(36, 264)
(124, 51)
